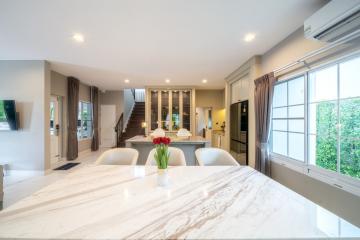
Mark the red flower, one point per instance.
(162, 140)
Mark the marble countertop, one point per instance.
(190, 140)
(124, 202)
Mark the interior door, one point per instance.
(108, 122)
(54, 130)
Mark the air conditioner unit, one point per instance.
(335, 20)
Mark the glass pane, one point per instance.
(86, 129)
(323, 151)
(296, 126)
(86, 111)
(350, 156)
(280, 125)
(323, 84)
(165, 118)
(280, 95)
(350, 137)
(296, 111)
(350, 78)
(175, 118)
(323, 118)
(280, 112)
(154, 109)
(279, 142)
(79, 111)
(296, 146)
(296, 91)
(186, 109)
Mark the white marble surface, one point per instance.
(116, 202)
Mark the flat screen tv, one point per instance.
(8, 116)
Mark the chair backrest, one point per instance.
(177, 157)
(214, 157)
(118, 156)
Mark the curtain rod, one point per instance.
(327, 47)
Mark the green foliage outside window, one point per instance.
(326, 131)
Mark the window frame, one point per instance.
(334, 178)
(304, 75)
(81, 138)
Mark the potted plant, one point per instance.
(161, 156)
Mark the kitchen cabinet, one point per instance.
(240, 89)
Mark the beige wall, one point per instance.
(338, 201)
(214, 99)
(28, 83)
(113, 98)
(342, 203)
(290, 49)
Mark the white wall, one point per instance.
(28, 83)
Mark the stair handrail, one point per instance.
(133, 90)
(119, 128)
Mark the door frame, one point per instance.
(60, 119)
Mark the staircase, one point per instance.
(134, 125)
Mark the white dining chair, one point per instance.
(118, 156)
(214, 157)
(177, 157)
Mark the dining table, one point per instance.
(198, 202)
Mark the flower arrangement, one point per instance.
(162, 153)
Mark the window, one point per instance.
(334, 118)
(84, 129)
(327, 112)
(288, 119)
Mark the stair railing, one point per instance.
(133, 92)
(119, 128)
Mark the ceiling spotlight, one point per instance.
(249, 37)
(78, 37)
(204, 81)
(167, 80)
(126, 80)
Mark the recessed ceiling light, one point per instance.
(78, 37)
(204, 81)
(167, 80)
(126, 80)
(249, 37)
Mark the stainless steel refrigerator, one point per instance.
(239, 131)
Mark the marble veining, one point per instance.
(124, 202)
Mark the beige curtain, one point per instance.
(73, 108)
(264, 89)
(94, 94)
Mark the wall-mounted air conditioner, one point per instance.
(335, 20)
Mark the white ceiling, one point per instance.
(147, 41)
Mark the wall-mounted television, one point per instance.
(8, 116)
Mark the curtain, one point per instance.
(94, 94)
(73, 108)
(264, 89)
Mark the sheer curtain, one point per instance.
(264, 89)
